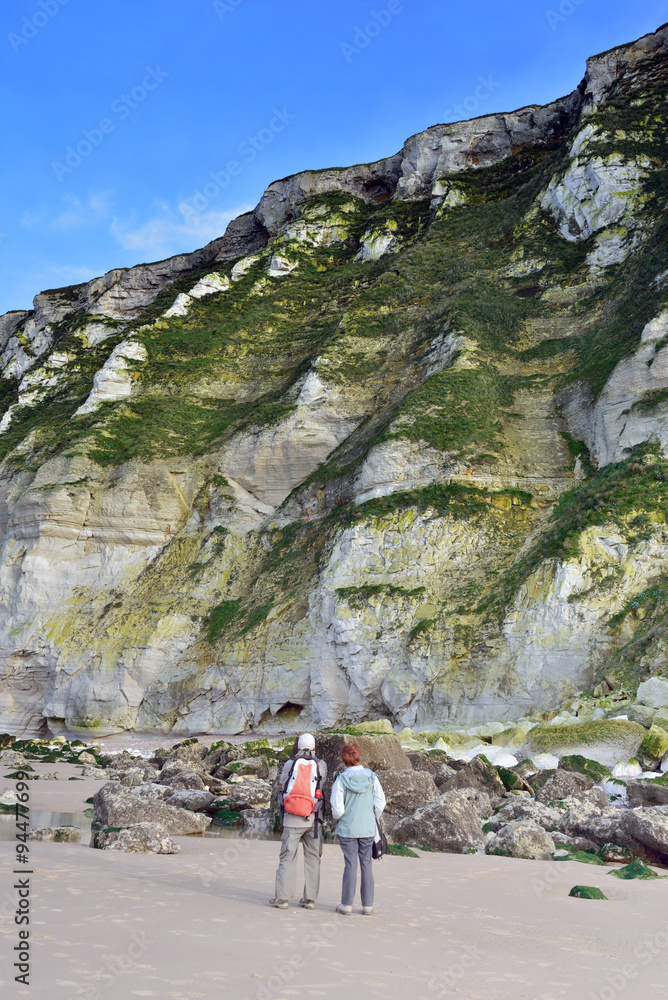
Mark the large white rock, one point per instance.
(595, 192)
(618, 419)
(654, 692)
(114, 380)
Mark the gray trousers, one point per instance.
(286, 875)
(354, 847)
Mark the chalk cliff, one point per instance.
(393, 446)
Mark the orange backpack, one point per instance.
(301, 793)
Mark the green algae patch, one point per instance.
(636, 869)
(564, 853)
(226, 817)
(400, 851)
(589, 768)
(511, 779)
(586, 892)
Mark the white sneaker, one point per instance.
(367, 910)
(345, 910)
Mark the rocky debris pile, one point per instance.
(58, 750)
(181, 792)
(590, 789)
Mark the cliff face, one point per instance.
(393, 446)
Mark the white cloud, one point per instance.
(75, 214)
(174, 230)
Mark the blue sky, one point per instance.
(117, 114)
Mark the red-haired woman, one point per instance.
(357, 802)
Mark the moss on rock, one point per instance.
(636, 869)
(653, 747)
(581, 765)
(606, 741)
(587, 892)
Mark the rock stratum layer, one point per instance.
(392, 447)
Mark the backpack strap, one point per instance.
(285, 787)
(317, 818)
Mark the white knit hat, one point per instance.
(306, 742)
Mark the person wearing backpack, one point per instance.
(302, 780)
(357, 803)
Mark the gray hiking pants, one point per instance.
(354, 847)
(286, 876)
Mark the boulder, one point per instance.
(647, 793)
(256, 822)
(587, 819)
(380, 753)
(587, 892)
(653, 693)
(12, 758)
(123, 760)
(8, 799)
(576, 843)
(133, 776)
(561, 785)
(653, 748)
(177, 777)
(422, 760)
(522, 839)
(247, 765)
(476, 774)
(615, 852)
(188, 754)
(515, 736)
(649, 827)
(524, 808)
(377, 726)
(627, 769)
(443, 774)
(245, 793)
(119, 806)
(58, 834)
(87, 758)
(589, 768)
(405, 792)
(191, 798)
(138, 838)
(606, 741)
(93, 772)
(217, 756)
(642, 714)
(153, 792)
(450, 823)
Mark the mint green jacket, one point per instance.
(357, 801)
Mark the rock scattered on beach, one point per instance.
(57, 834)
(138, 838)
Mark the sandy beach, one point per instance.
(112, 926)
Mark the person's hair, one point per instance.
(351, 754)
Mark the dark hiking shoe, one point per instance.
(279, 904)
(308, 904)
